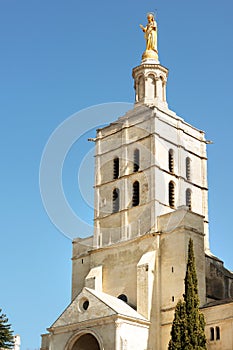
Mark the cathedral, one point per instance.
(151, 197)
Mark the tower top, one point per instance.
(151, 53)
(150, 78)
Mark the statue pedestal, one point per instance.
(150, 56)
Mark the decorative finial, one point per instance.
(150, 31)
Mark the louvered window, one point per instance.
(136, 194)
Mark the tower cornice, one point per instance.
(152, 66)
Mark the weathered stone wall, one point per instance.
(153, 133)
(219, 280)
(221, 317)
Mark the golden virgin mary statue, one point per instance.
(150, 31)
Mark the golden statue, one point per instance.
(150, 31)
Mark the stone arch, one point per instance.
(115, 200)
(141, 87)
(116, 167)
(171, 195)
(151, 81)
(171, 161)
(136, 160)
(188, 168)
(188, 198)
(136, 194)
(85, 340)
(151, 75)
(163, 80)
(123, 297)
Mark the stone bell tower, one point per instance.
(150, 161)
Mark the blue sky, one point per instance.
(58, 57)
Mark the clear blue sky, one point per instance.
(58, 57)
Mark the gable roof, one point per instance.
(100, 305)
(116, 304)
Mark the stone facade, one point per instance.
(155, 134)
(219, 280)
(151, 197)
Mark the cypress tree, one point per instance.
(188, 328)
(6, 334)
(195, 320)
(179, 328)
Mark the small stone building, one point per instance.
(151, 196)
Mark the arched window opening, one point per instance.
(86, 342)
(188, 168)
(136, 160)
(136, 196)
(163, 87)
(152, 86)
(141, 88)
(171, 194)
(217, 333)
(123, 297)
(115, 200)
(115, 168)
(211, 333)
(171, 160)
(189, 198)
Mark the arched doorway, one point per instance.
(86, 342)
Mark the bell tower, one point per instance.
(149, 162)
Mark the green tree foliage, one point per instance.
(188, 328)
(6, 334)
(179, 328)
